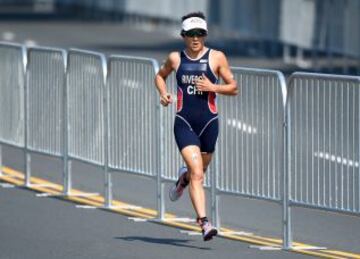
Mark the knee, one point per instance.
(197, 176)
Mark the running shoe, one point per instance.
(178, 188)
(208, 231)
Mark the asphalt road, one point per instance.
(35, 228)
(312, 227)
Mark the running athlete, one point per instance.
(196, 127)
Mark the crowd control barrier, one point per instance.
(323, 143)
(294, 143)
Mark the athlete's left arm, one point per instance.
(221, 66)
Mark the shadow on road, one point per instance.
(163, 241)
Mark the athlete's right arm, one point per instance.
(170, 65)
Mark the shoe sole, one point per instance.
(210, 235)
(181, 172)
(170, 196)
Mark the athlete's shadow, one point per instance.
(163, 241)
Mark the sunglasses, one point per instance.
(195, 33)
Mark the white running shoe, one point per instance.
(208, 231)
(178, 188)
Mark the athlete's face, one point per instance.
(194, 40)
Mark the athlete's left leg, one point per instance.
(206, 158)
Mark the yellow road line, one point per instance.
(17, 178)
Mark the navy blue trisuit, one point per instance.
(196, 121)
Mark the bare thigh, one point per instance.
(193, 158)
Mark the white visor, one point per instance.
(194, 23)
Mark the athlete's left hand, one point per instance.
(204, 84)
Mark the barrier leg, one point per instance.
(108, 189)
(27, 169)
(1, 165)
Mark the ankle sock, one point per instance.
(202, 221)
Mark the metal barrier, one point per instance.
(45, 110)
(250, 152)
(323, 142)
(300, 152)
(86, 110)
(133, 112)
(86, 72)
(45, 80)
(133, 115)
(251, 141)
(12, 94)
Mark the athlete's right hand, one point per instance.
(166, 99)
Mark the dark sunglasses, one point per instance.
(195, 33)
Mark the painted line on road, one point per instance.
(40, 185)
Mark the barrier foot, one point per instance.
(295, 248)
(44, 195)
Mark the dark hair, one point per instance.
(193, 14)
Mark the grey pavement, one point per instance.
(35, 228)
(313, 227)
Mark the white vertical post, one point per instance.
(1, 165)
(27, 169)
(68, 185)
(66, 180)
(286, 54)
(160, 168)
(286, 224)
(214, 195)
(108, 189)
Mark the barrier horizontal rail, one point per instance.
(323, 112)
(46, 82)
(12, 94)
(86, 72)
(251, 139)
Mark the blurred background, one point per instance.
(289, 35)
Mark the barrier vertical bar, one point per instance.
(27, 156)
(107, 174)
(1, 165)
(214, 194)
(161, 159)
(286, 225)
(66, 179)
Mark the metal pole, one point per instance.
(160, 185)
(287, 235)
(214, 195)
(108, 189)
(27, 156)
(1, 165)
(66, 188)
(286, 53)
(27, 169)
(160, 162)
(108, 182)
